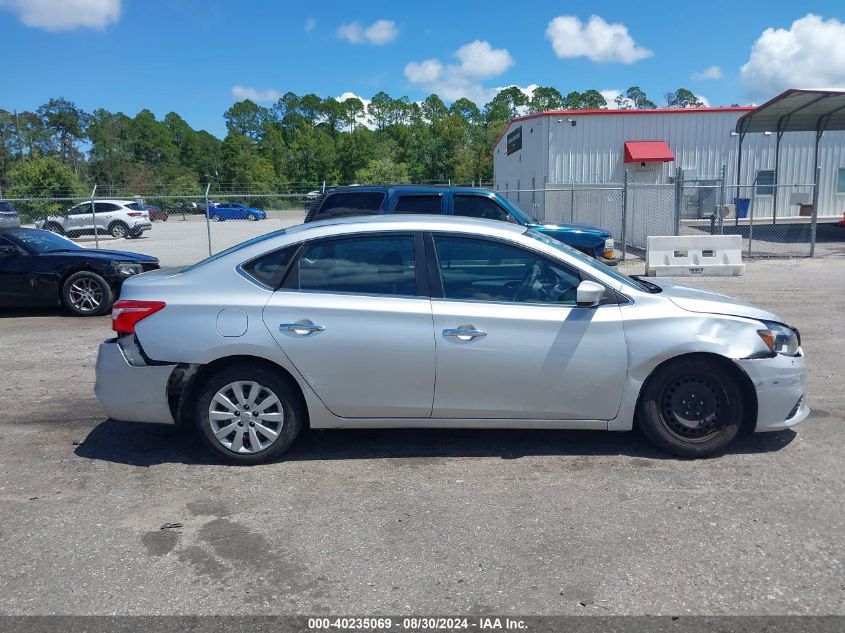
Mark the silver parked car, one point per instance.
(119, 218)
(421, 321)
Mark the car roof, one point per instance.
(109, 200)
(412, 222)
(408, 189)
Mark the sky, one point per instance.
(198, 57)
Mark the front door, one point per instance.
(80, 219)
(356, 324)
(512, 343)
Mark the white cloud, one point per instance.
(610, 96)
(711, 72)
(254, 94)
(64, 15)
(310, 24)
(596, 40)
(478, 61)
(379, 33)
(810, 54)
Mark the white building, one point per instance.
(594, 147)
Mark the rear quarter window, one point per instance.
(349, 203)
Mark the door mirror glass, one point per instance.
(589, 294)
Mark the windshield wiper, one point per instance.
(649, 286)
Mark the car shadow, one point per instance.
(145, 444)
(12, 313)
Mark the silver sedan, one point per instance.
(414, 321)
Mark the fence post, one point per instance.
(94, 220)
(751, 215)
(679, 193)
(207, 218)
(722, 202)
(814, 220)
(624, 214)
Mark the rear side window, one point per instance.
(106, 207)
(420, 204)
(270, 268)
(480, 207)
(371, 265)
(337, 205)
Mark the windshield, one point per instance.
(236, 247)
(41, 241)
(588, 261)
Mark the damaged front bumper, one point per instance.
(781, 383)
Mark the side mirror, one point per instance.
(589, 294)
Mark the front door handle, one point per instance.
(464, 333)
(302, 328)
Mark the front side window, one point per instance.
(419, 204)
(484, 270)
(370, 265)
(337, 205)
(479, 207)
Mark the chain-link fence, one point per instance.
(774, 219)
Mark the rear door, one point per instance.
(354, 318)
(511, 341)
(104, 213)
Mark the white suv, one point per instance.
(120, 218)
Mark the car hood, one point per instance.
(695, 300)
(546, 227)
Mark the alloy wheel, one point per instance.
(86, 295)
(246, 417)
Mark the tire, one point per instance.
(216, 218)
(87, 294)
(54, 227)
(244, 424)
(118, 229)
(251, 217)
(135, 235)
(691, 407)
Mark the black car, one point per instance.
(40, 268)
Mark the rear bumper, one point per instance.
(780, 383)
(133, 392)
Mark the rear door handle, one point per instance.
(464, 333)
(303, 328)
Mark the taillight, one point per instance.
(126, 313)
(135, 214)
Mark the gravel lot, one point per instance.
(397, 521)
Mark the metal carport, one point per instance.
(795, 111)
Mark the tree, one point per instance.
(634, 99)
(545, 99)
(65, 122)
(352, 109)
(433, 108)
(683, 98)
(246, 118)
(42, 178)
(383, 170)
(466, 109)
(379, 110)
(509, 100)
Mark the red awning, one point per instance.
(648, 152)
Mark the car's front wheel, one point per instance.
(248, 414)
(251, 217)
(87, 294)
(216, 218)
(691, 407)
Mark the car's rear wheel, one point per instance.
(691, 407)
(87, 294)
(248, 414)
(54, 227)
(118, 229)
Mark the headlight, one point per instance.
(780, 338)
(127, 269)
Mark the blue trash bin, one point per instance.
(742, 205)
